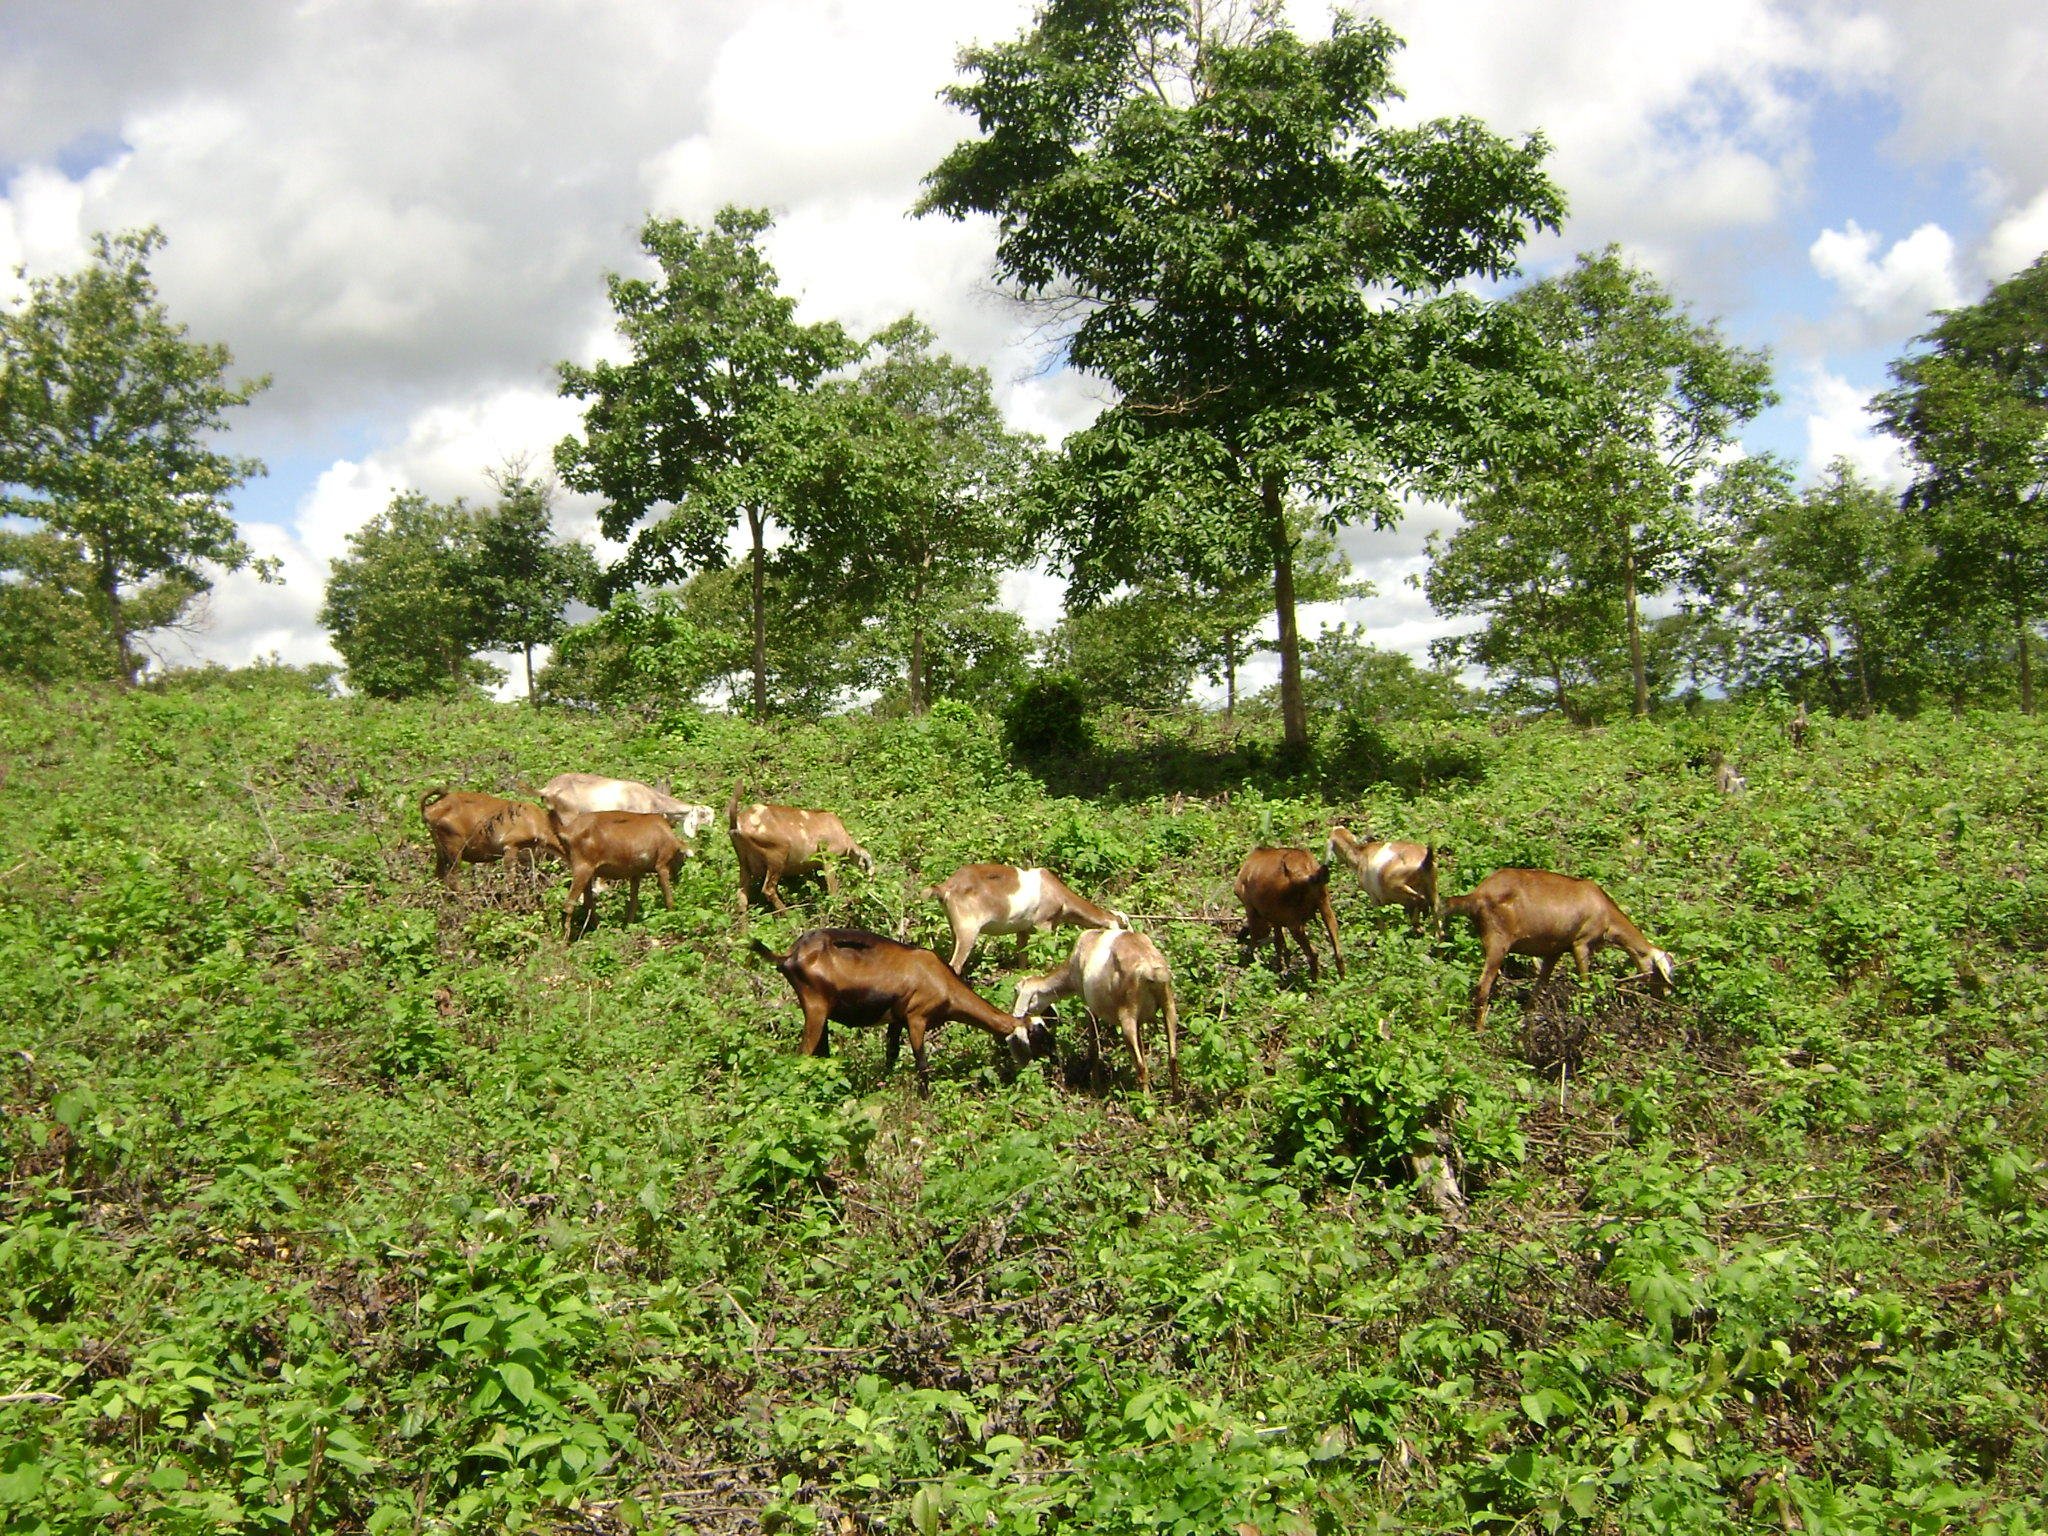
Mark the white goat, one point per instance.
(1119, 975)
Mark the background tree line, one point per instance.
(1274, 288)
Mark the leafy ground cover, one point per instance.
(331, 1202)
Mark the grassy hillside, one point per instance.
(334, 1203)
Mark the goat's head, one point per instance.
(1032, 1039)
(1661, 965)
(863, 858)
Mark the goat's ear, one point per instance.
(1663, 963)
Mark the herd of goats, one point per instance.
(608, 829)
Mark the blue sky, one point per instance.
(403, 211)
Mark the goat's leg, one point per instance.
(924, 1076)
(579, 890)
(892, 1045)
(1495, 953)
(448, 871)
(815, 1041)
(1582, 956)
(633, 898)
(1279, 950)
(769, 877)
(1330, 922)
(1315, 969)
(1127, 1021)
(668, 897)
(831, 879)
(1172, 1040)
(964, 936)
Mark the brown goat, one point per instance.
(1535, 912)
(1393, 874)
(1001, 898)
(615, 845)
(772, 841)
(850, 976)
(1282, 890)
(1122, 976)
(470, 828)
(1797, 727)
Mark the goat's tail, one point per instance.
(778, 961)
(732, 806)
(430, 797)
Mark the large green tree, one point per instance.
(905, 494)
(1551, 628)
(1629, 474)
(706, 421)
(1826, 579)
(1223, 228)
(109, 414)
(526, 576)
(1972, 404)
(404, 606)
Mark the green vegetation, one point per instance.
(334, 1203)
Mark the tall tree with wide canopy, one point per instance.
(1634, 467)
(1230, 236)
(405, 607)
(527, 576)
(1973, 407)
(905, 493)
(1826, 578)
(108, 416)
(697, 429)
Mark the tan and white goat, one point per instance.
(777, 841)
(1392, 874)
(1120, 977)
(1001, 898)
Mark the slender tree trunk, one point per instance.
(1230, 681)
(2026, 639)
(531, 697)
(1635, 634)
(1862, 675)
(1293, 710)
(1564, 703)
(110, 589)
(919, 703)
(760, 616)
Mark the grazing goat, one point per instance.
(1797, 727)
(615, 845)
(1282, 889)
(1000, 898)
(1122, 976)
(1393, 874)
(777, 840)
(1537, 913)
(469, 828)
(571, 793)
(849, 976)
(1726, 780)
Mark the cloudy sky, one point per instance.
(403, 210)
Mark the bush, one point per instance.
(1049, 718)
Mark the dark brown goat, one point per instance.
(615, 845)
(1535, 912)
(1282, 890)
(772, 841)
(850, 976)
(469, 828)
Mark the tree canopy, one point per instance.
(1972, 405)
(704, 425)
(1215, 215)
(1616, 490)
(108, 415)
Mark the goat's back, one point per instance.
(1284, 883)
